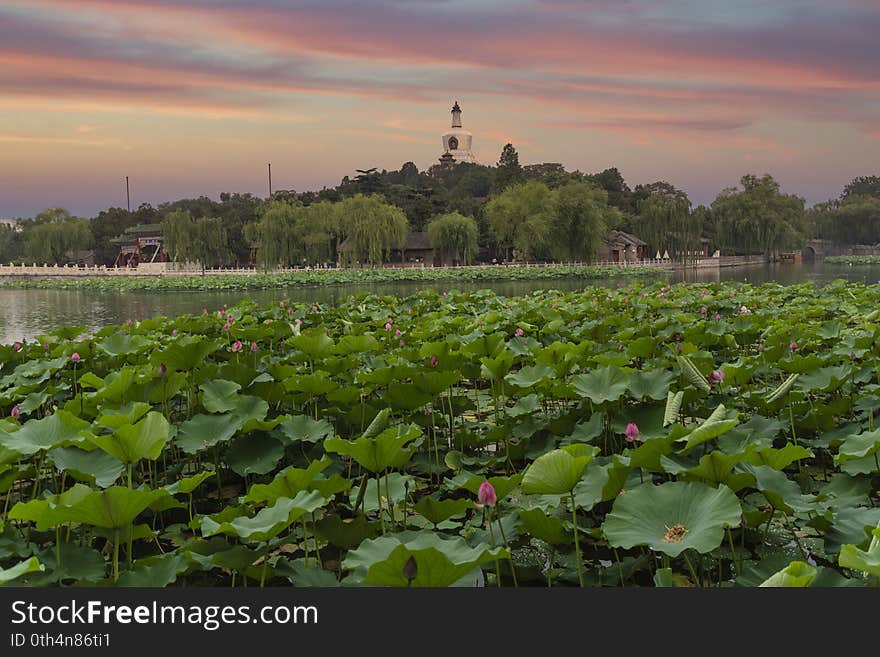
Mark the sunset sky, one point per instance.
(194, 97)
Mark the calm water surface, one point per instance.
(25, 314)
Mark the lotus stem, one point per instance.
(577, 546)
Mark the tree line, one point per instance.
(470, 213)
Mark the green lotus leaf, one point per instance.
(314, 343)
(439, 562)
(219, 395)
(503, 486)
(203, 431)
(256, 453)
(128, 414)
(797, 574)
(435, 382)
(188, 485)
(651, 384)
(346, 533)
(185, 353)
(155, 572)
(436, 510)
(544, 527)
(389, 449)
(672, 517)
(603, 384)
(28, 566)
(777, 459)
(291, 481)
(530, 375)
(268, 522)
(714, 425)
(850, 525)
(131, 443)
(303, 428)
(96, 467)
(60, 429)
(858, 446)
(867, 561)
(51, 512)
(120, 344)
(718, 468)
(113, 508)
(559, 471)
(78, 564)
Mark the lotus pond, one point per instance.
(651, 435)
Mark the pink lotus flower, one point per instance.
(222, 313)
(128, 322)
(760, 347)
(297, 321)
(409, 311)
(388, 326)
(793, 346)
(15, 412)
(717, 317)
(486, 494)
(173, 331)
(45, 345)
(703, 310)
(204, 311)
(434, 361)
(227, 326)
(289, 310)
(162, 370)
(254, 346)
(716, 377)
(74, 357)
(519, 332)
(281, 304)
(401, 343)
(397, 332)
(631, 432)
(314, 308)
(236, 346)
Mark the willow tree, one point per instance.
(581, 218)
(275, 234)
(178, 231)
(759, 217)
(665, 220)
(371, 229)
(319, 227)
(55, 235)
(455, 236)
(202, 240)
(520, 218)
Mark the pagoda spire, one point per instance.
(456, 115)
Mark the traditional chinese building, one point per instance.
(141, 243)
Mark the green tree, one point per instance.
(178, 232)
(11, 244)
(665, 220)
(620, 195)
(508, 172)
(54, 236)
(521, 218)
(276, 236)
(455, 236)
(581, 216)
(371, 228)
(759, 218)
(862, 186)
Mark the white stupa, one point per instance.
(457, 141)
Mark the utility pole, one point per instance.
(270, 180)
(127, 195)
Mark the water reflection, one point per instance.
(25, 314)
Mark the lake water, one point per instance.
(27, 313)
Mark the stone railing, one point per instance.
(189, 269)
